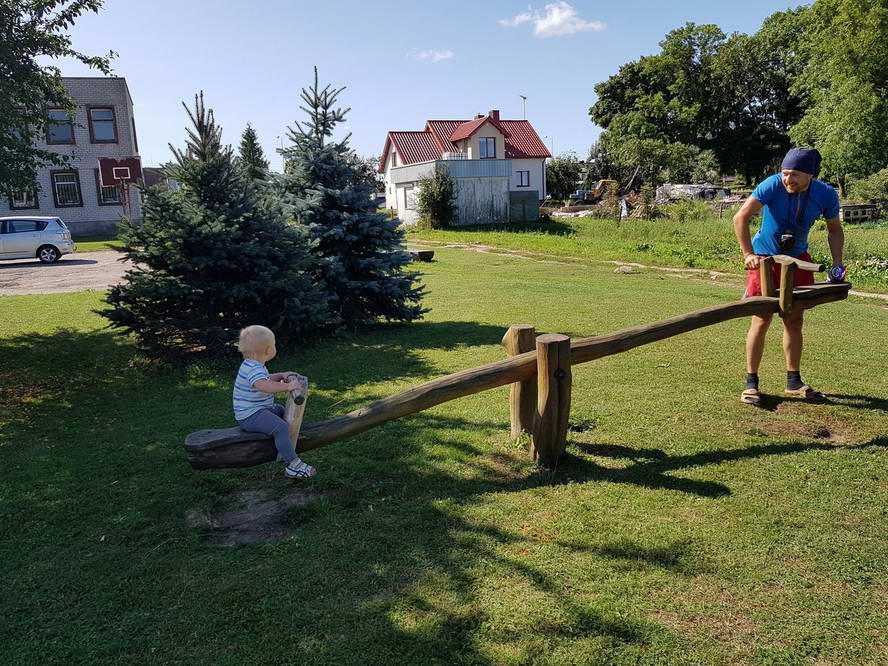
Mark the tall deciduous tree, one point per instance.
(30, 31)
(708, 91)
(361, 254)
(845, 46)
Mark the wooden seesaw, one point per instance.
(538, 369)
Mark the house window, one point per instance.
(102, 127)
(107, 196)
(66, 188)
(487, 147)
(23, 200)
(60, 129)
(394, 159)
(523, 178)
(409, 198)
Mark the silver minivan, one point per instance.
(46, 238)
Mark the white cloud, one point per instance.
(555, 20)
(432, 55)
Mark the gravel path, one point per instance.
(73, 272)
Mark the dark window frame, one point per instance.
(36, 201)
(55, 195)
(135, 136)
(89, 119)
(99, 199)
(73, 141)
(521, 182)
(484, 141)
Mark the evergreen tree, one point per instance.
(209, 260)
(362, 258)
(252, 162)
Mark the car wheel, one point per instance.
(48, 254)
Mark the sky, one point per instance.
(401, 62)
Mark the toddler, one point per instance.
(254, 389)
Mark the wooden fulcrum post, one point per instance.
(553, 399)
(788, 267)
(767, 276)
(787, 276)
(519, 339)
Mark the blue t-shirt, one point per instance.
(791, 213)
(248, 400)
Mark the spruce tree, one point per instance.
(362, 254)
(252, 162)
(209, 260)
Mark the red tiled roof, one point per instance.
(441, 130)
(522, 140)
(412, 147)
(439, 136)
(468, 128)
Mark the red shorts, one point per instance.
(800, 279)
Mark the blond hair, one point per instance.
(254, 339)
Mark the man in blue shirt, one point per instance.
(790, 202)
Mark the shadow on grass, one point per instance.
(396, 568)
(771, 402)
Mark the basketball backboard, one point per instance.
(116, 171)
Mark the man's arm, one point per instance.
(836, 239)
(750, 208)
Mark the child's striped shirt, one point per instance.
(248, 400)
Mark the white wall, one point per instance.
(90, 218)
(405, 194)
(537, 176)
(390, 198)
(473, 147)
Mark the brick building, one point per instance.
(103, 125)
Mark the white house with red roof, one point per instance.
(498, 167)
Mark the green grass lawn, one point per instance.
(94, 243)
(680, 241)
(681, 528)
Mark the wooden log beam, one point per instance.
(553, 404)
(786, 260)
(232, 447)
(520, 339)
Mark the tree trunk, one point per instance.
(842, 192)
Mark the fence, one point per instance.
(538, 368)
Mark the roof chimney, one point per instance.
(494, 114)
(479, 115)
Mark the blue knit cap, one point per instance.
(803, 159)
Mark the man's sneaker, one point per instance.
(298, 469)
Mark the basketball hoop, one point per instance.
(120, 173)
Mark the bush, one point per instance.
(688, 210)
(874, 188)
(436, 207)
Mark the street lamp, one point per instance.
(551, 143)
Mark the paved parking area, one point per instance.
(73, 272)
